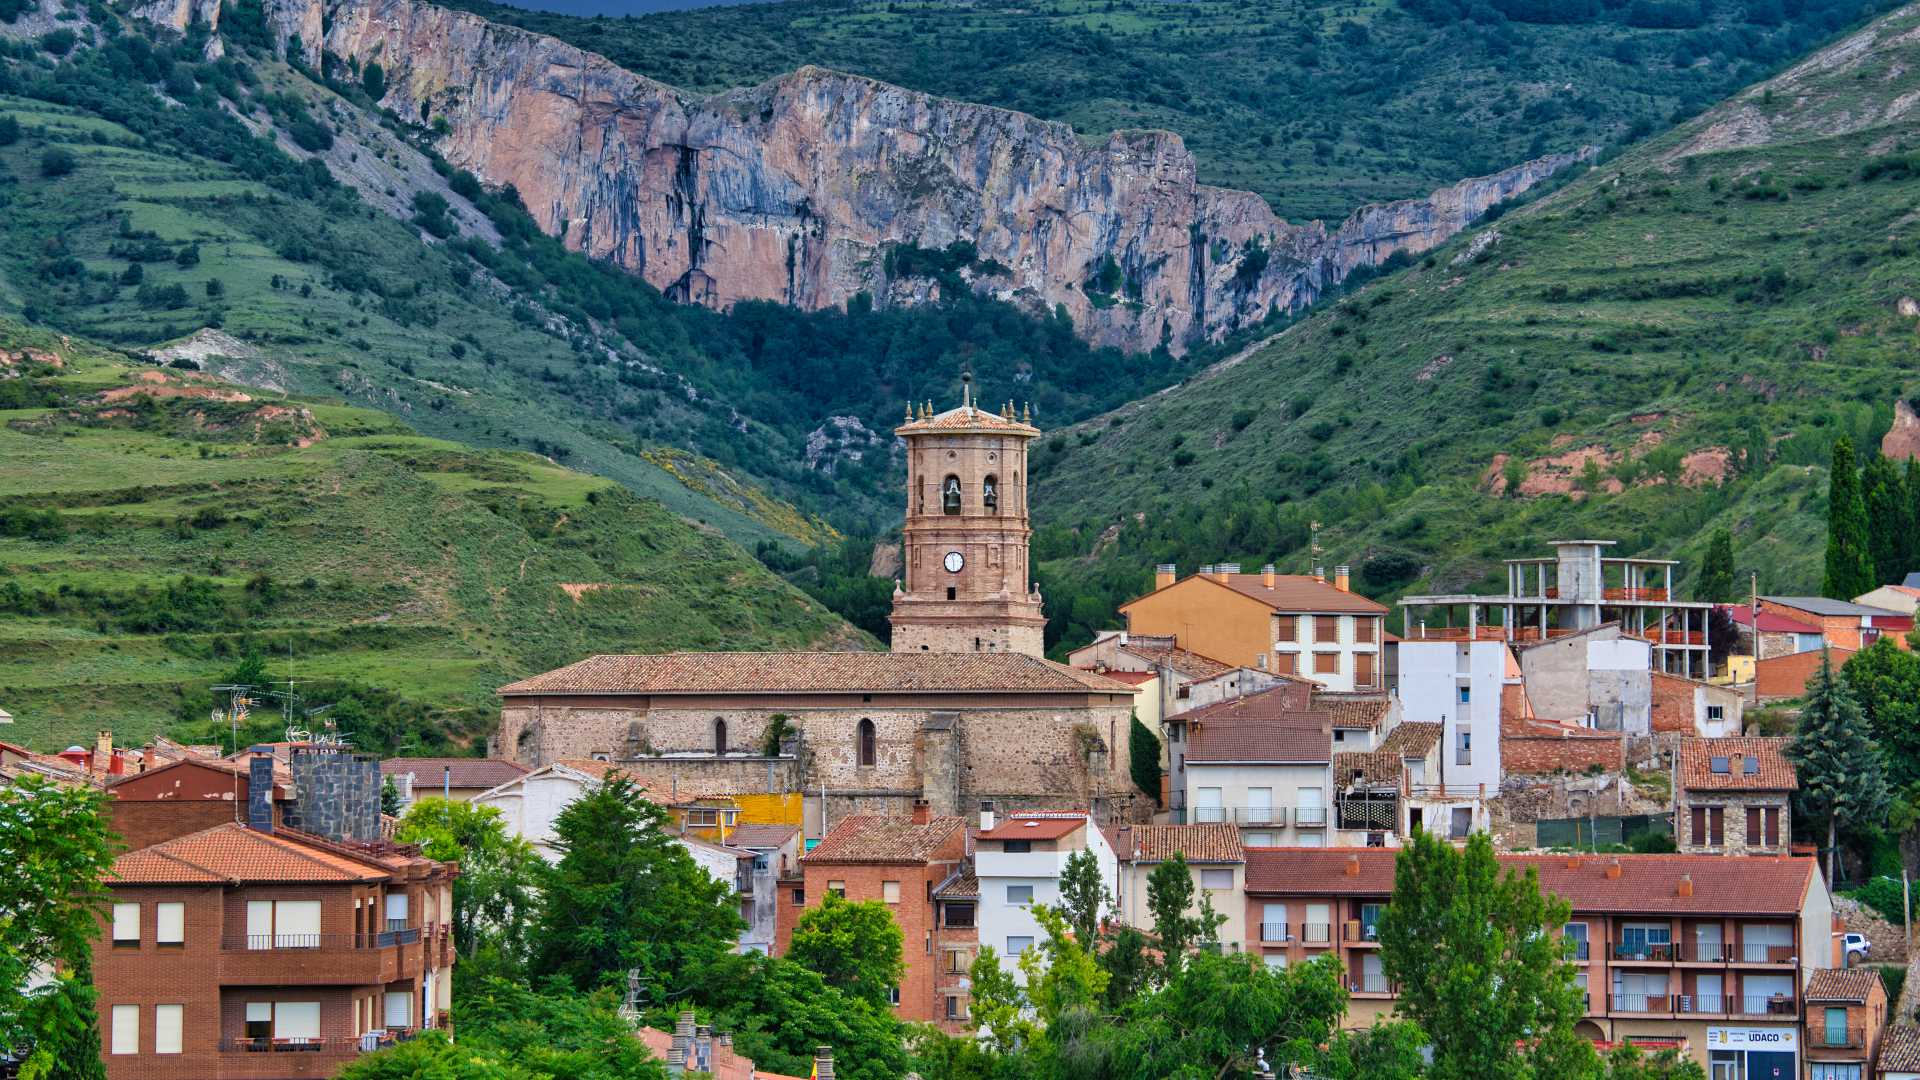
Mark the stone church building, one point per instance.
(964, 714)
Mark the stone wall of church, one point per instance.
(1025, 754)
(985, 636)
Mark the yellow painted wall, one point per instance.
(1739, 670)
(1208, 618)
(781, 809)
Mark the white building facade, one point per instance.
(1018, 862)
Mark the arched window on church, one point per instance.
(990, 492)
(950, 495)
(719, 735)
(869, 748)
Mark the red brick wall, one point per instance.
(914, 914)
(1786, 676)
(1545, 754)
(1672, 705)
(144, 824)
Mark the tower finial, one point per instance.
(966, 386)
(1025, 416)
(909, 412)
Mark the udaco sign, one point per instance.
(1753, 1038)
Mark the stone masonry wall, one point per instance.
(1734, 830)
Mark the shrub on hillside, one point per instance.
(56, 162)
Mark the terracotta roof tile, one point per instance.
(1320, 871)
(1412, 738)
(760, 836)
(963, 885)
(1375, 768)
(1771, 771)
(1291, 593)
(1295, 737)
(870, 839)
(1648, 884)
(967, 418)
(814, 672)
(1842, 984)
(1185, 661)
(233, 852)
(1900, 1049)
(466, 772)
(1269, 704)
(1031, 827)
(1352, 711)
(1195, 843)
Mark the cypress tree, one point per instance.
(1842, 779)
(1716, 573)
(1143, 748)
(1886, 499)
(1849, 561)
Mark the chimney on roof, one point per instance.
(102, 752)
(702, 1060)
(117, 763)
(1353, 866)
(823, 1063)
(726, 1040)
(1164, 575)
(1686, 885)
(682, 1044)
(1613, 870)
(1734, 762)
(1340, 579)
(986, 818)
(1320, 574)
(1268, 576)
(260, 790)
(921, 810)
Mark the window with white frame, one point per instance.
(1216, 880)
(126, 1030)
(170, 924)
(399, 1009)
(1018, 944)
(1019, 895)
(166, 1028)
(1834, 1070)
(890, 892)
(126, 926)
(296, 1021)
(259, 1020)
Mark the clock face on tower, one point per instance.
(954, 562)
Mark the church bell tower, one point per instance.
(964, 545)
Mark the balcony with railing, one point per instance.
(1768, 1005)
(1310, 817)
(1372, 982)
(1638, 592)
(1274, 933)
(301, 1059)
(1316, 933)
(1261, 815)
(318, 959)
(1208, 815)
(1836, 1038)
(1660, 1004)
(1360, 932)
(1649, 952)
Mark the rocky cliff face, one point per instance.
(795, 190)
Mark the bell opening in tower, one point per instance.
(950, 495)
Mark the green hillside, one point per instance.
(337, 254)
(157, 526)
(1701, 317)
(1318, 105)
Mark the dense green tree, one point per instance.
(1842, 782)
(1083, 896)
(1850, 570)
(1716, 571)
(57, 843)
(1481, 967)
(1626, 1062)
(1220, 1015)
(626, 895)
(779, 1012)
(997, 1003)
(1389, 1050)
(854, 946)
(512, 1032)
(1910, 521)
(1888, 528)
(1885, 679)
(1128, 964)
(494, 898)
(390, 798)
(1143, 749)
(1176, 925)
(373, 79)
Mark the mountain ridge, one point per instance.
(798, 189)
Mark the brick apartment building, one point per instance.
(899, 862)
(1846, 1018)
(238, 948)
(1703, 951)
